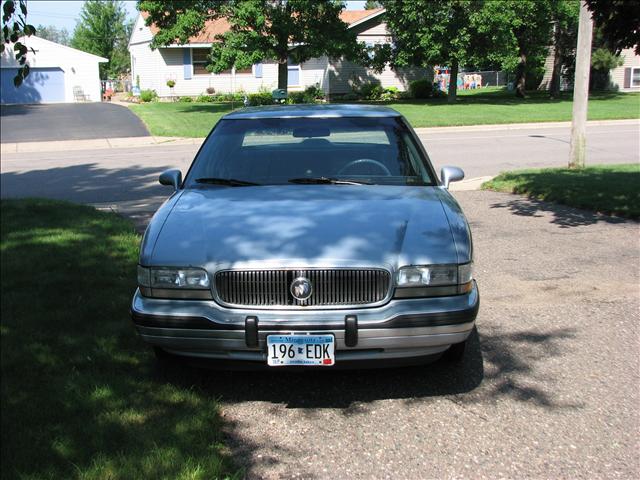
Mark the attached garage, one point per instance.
(59, 74)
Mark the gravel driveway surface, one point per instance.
(549, 387)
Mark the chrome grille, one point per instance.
(330, 287)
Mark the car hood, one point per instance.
(304, 225)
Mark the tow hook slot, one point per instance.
(351, 330)
(251, 331)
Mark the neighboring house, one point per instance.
(627, 76)
(186, 64)
(58, 74)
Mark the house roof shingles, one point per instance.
(219, 26)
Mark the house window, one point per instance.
(635, 77)
(293, 77)
(200, 60)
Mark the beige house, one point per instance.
(186, 64)
(627, 76)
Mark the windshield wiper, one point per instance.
(231, 182)
(327, 180)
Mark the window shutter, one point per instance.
(627, 78)
(257, 70)
(186, 61)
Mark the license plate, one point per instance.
(308, 350)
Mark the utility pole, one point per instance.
(577, 150)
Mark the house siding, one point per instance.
(345, 76)
(631, 60)
(141, 33)
(155, 67)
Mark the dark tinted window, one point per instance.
(274, 151)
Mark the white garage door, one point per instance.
(42, 85)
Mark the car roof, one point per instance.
(311, 111)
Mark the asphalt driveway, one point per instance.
(68, 121)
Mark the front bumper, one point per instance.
(401, 329)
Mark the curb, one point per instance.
(469, 184)
(95, 144)
(522, 126)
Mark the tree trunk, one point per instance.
(556, 72)
(554, 84)
(521, 72)
(453, 82)
(283, 74)
(578, 145)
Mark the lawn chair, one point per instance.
(79, 95)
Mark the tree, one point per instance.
(260, 30)
(565, 37)
(372, 4)
(518, 34)
(602, 61)
(14, 28)
(103, 30)
(428, 33)
(54, 34)
(618, 21)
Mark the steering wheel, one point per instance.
(361, 161)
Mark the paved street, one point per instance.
(550, 385)
(126, 178)
(482, 153)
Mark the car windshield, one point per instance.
(286, 151)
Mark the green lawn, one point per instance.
(81, 396)
(612, 189)
(487, 106)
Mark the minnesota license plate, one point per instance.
(309, 350)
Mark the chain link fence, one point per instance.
(490, 78)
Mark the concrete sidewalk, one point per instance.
(96, 144)
(150, 141)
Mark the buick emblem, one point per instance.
(301, 288)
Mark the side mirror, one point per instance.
(450, 174)
(172, 177)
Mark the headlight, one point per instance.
(433, 280)
(427, 275)
(167, 282)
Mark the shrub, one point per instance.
(297, 97)
(148, 95)
(390, 93)
(421, 88)
(185, 99)
(261, 98)
(205, 99)
(228, 97)
(371, 91)
(314, 92)
(437, 93)
(349, 97)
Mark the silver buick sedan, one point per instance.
(308, 236)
